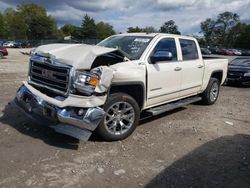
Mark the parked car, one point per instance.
(3, 51)
(214, 50)
(245, 52)
(239, 71)
(206, 51)
(236, 52)
(9, 44)
(78, 88)
(225, 52)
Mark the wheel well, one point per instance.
(134, 90)
(217, 75)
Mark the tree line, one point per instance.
(30, 21)
(226, 31)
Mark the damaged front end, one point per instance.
(74, 121)
(66, 96)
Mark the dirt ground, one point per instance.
(194, 146)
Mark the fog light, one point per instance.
(80, 112)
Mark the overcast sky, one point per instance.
(126, 13)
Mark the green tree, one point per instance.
(15, 25)
(241, 34)
(222, 31)
(149, 29)
(73, 31)
(134, 30)
(88, 28)
(42, 27)
(224, 24)
(207, 28)
(104, 30)
(227, 20)
(170, 27)
(2, 26)
(68, 29)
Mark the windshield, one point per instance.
(241, 62)
(133, 46)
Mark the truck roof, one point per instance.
(153, 35)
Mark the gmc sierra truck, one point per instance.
(77, 89)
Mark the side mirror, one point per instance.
(161, 56)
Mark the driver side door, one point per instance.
(164, 77)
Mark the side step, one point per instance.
(171, 106)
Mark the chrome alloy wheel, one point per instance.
(214, 92)
(119, 118)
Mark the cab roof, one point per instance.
(153, 35)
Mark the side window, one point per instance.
(188, 49)
(167, 44)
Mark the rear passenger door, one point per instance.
(192, 68)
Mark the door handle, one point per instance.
(178, 69)
(200, 66)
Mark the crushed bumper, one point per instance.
(66, 120)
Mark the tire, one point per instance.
(210, 95)
(1, 54)
(121, 118)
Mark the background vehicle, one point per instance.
(245, 53)
(236, 52)
(206, 51)
(77, 88)
(225, 52)
(3, 51)
(214, 50)
(9, 44)
(239, 71)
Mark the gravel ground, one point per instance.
(194, 146)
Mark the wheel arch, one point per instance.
(218, 74)
(134, 89)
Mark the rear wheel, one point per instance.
(1, 54)
(121, 118)
(210, 95)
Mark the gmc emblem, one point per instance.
(47, 73)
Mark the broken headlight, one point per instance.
(86, 82)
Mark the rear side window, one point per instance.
(189, 49)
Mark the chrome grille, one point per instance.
(50, 75)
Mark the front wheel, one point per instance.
(121, 118)
(210, 95)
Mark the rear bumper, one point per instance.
(64, 120)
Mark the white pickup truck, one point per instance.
(77, 89)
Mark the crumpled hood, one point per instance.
(80, 56)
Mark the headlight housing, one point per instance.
(86, 82)
(247, 74)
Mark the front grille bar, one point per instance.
(54, 77)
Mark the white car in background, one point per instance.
(9, 44)
(236, 52)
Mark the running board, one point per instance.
(171, 106)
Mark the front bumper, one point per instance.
(239, 80)
(64, 120)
